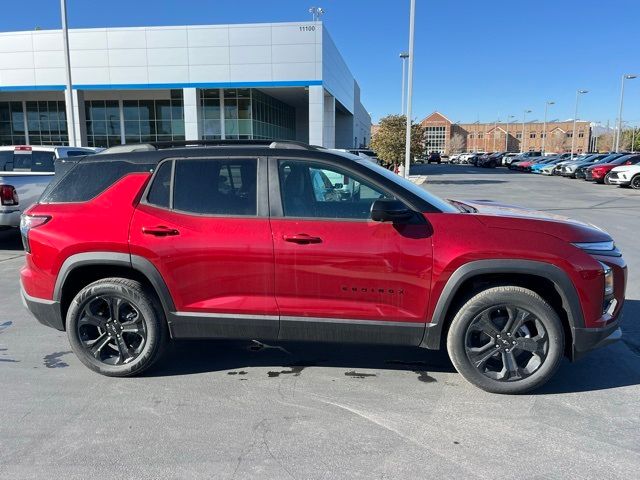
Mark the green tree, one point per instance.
(389, 140)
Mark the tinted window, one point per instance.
(6, 160)
(84, 181)
(22, 162)
(216, 187)
(42, 161)
(314, 190)
(77, 153)
(159, 191)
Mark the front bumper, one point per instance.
(47, 312)
(587, 339)
(619, 181)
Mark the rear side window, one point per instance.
(6, 161)
(216, 187)
(86, 180)
(42, 161)
(160, 191)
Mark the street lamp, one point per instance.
(544, 124)
(407, 151)
(316, 12)
(69, 90)
(575, 117)
(624, 77)
(524, 116)
(495, 130)
(403, 57)
(506, 137)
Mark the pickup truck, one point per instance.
(25, 171)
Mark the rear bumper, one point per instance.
(47, 312)
(587, 339)
(10, 217)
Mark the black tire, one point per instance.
(121, 348)
(606, 179)
(541, 354)
(635, 182)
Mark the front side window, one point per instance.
(216, 187)
(317, 191)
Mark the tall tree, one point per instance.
(457, 143)
(389, 140)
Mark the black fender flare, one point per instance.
(134, 262)
(561, 281)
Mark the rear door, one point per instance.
(204, 226)
(339, 275)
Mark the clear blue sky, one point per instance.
(472, 58)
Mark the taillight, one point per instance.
(8, 196)
(28, 222)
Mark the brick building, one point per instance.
(443, 135)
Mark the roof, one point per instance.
(436, 117)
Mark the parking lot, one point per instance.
(246, 410)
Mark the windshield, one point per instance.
(437, 202)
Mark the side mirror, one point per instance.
(390, 210)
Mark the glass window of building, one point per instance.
(210, 114)
(435, 139)
(47, 123)
(12, 124)
(103, 123)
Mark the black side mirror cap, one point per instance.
(390, 210)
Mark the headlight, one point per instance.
(596, 246)
(608, 279)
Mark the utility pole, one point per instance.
(407, 159)
(624, 77)
(403, 57)
(575, 117)
(544, 125)
(524, 116)
(68, 94)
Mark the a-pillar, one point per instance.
(192, 108)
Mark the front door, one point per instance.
(204, 226)
(339, 275)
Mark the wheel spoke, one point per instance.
(486, 325)
(89, 318)
(114, 307)
(516, 318)
(533, 345)
(99, 344)
(123, 350)
(479, 356)
(511, 369)
(134, 326)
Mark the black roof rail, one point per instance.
(232, 143)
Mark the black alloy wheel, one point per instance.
(635, 182)
(112, 330)
(506, 343)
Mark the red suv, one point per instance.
(283, 241)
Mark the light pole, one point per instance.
(633, 140)
(575, 117)
(544, 124)
(403, 57)
(316, 13)
(506, 137)
(524, 116)
(624, 77)
(407, 151)
(68, 94)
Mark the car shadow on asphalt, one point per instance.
(200, 356)
(10, 240)
(462, 182)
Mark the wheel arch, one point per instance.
(546, 279)
(84, 268)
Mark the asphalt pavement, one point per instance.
(219, 409)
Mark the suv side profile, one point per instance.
(284, 241)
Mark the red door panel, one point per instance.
(352, 269)
(210, 264)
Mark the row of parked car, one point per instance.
(620, 168)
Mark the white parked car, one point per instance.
(626, 175)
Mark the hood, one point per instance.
(500, 215)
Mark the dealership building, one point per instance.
(248, 81)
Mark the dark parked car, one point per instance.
(491, 160)
(434, 157)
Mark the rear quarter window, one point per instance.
(6, 160)
(87, 180)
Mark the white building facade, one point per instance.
(249, 81)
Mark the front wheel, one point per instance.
(116, 327)
(506, 340)
(635, 182)
(606, 179)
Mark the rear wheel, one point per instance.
(635, 182)
(116, 327)
(506, 340)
